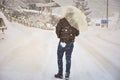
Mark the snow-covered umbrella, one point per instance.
(77, 20)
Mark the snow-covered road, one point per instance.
(30, 54)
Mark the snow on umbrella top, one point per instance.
(75, 17)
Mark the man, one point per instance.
(66, 33)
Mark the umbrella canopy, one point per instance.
(75, 17)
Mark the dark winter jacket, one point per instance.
(65, 31)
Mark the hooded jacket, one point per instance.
(65, 31)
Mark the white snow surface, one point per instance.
(31, 54)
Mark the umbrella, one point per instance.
(78, 20)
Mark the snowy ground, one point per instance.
(30, 54)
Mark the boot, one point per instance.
(67, 76)
(60, 76)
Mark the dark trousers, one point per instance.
(68, 52)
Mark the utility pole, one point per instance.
(51, 14)
(107, 13)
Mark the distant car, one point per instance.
(2, 25)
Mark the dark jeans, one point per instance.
(60, 52)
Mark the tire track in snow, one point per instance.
(108, 65)
(50, 67)
(85, 66)
(108, 41)
(79, 68)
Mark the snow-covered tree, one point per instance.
(2, 3)
(83, 6)
(13, 4)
